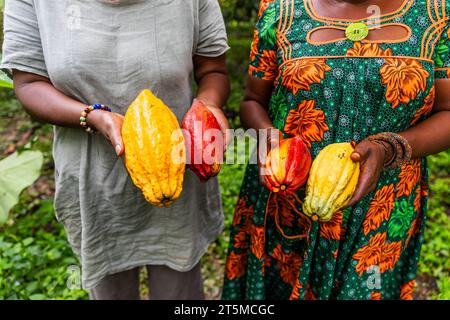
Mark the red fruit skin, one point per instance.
(196, 142)
(294, 167)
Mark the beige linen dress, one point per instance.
(107, 51)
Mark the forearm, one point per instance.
(214, 89)
(212, 80)
(430, 136)
(256, 103)
(254, 115)
(45, 103)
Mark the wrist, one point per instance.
(95, 120)
(209, 104)
(387, 149)
(398, 150)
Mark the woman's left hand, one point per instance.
(372, 157)
(223, 123)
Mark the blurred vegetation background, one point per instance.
(37, 263)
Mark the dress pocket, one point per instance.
(66, 201)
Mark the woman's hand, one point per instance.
(109, 124)
(274, 136)
(223, 123)
(372, 158)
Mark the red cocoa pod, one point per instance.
(287, 166)
(204, 141)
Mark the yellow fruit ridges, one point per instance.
(147, 132)
(332, 181)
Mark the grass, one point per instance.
(434, 266)
(37, 263)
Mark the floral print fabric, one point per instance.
(338, 91)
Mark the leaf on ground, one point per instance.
(17, 172)
(5, 81)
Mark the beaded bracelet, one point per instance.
(85, 113)
(402, 152)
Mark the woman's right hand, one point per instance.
(109, 124)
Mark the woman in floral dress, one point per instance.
(312, 75)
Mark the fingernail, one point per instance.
(118, 149)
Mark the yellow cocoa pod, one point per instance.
(332, 182)
(155, 152)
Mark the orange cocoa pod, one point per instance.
(204, 141)
(287, 166)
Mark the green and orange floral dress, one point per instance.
(330, 92)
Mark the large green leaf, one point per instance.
(17, 172)
(5, 81)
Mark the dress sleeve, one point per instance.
(22, 47)
(212, 39)
(263, 54)
(442, 59)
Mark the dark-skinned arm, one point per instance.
(254, 115)
(47, 104)
(213, 87)
(255, 105)
(433, 135)
(426, 138)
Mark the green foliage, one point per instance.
(237, 11)
(35, 258)
(230, 181)
(17, 172)
(237, 65)
(435, 257)
(9, 106)
(5, 81)
(444, 289)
